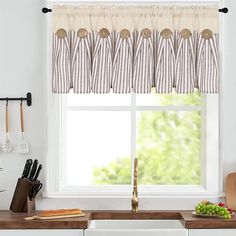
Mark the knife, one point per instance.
(27, 168)
(33, 170)
(37, 172)
(36, 188)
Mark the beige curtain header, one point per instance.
(135, 17)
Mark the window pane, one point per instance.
(168, 147)
(173, 99)
(109, 99)
(98, 144)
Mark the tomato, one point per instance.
(221, 204)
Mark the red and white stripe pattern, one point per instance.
(97, 64)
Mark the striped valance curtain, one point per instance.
(98, 49)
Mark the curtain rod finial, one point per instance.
(46, 10)
(224, 10)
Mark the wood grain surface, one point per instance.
(230, 190)
(9, 220)
(119, 215)
(196, 222)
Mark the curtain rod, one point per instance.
(223, 10)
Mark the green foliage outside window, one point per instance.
(168, 147)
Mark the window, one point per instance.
(92, 140)
(100, 135)
(102, 138)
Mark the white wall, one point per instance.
(23, 69)
(228, 92)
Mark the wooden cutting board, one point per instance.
(230, 190)
(53, 217)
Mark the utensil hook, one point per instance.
(6, 101)
(21, 100)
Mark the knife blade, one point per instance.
(33, 170)
(27, 168)
(37, 172)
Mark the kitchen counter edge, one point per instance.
(9, 220)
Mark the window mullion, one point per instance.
(168, 108)
(98, 108)
(133, 132)
(63, 140)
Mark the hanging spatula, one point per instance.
(23, 146)
(6, 146)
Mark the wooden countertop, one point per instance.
(194, 222)
(9, 220)
(119, 215)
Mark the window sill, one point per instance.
(160, 195)
(160, 201)
(125, 191)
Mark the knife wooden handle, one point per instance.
(21, 118)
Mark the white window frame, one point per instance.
(212, 186)
(209, 165)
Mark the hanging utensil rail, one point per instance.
(28, 99)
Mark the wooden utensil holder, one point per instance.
(21, 201)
